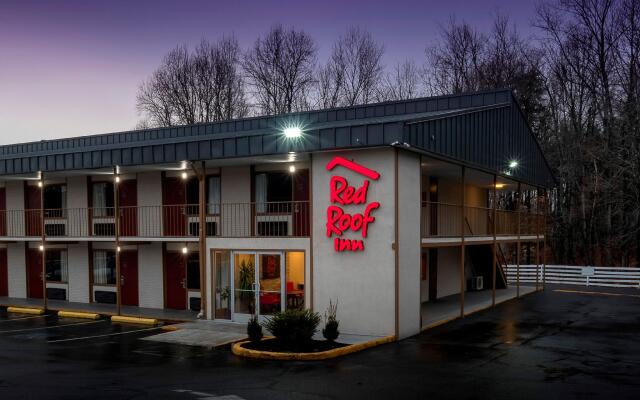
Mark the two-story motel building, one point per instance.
(404, 212)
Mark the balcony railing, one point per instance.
(446, 220)
(268, 219)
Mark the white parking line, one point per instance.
(21, 318)
(101, 336)
(51, 327)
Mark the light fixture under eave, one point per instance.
(39, 183)
(117, 179)
(185, 250)
(513, 164)
(118, 249)
(499, 185)
(292, 132)
(41, 248)
(184, 175)
(292, 168)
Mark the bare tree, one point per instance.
(353, 74)
(189, 88)
(403, 82)
(280, 68)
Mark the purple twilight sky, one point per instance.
(70, 68)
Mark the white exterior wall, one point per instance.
(17, 270)
(235, 195)
(409, 243)
(77, 199)
(15, 205)
(149, 185)
(78, 270)
(150, 276)
(448, 271)
(362, 282)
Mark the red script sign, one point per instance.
(342, 194)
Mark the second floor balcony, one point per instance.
(265, 219)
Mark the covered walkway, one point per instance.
(104, 309)
(447, 308)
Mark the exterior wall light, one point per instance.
(499, 185)
(292, 132)
(292, 168)
(117, 179)
(118, 249)
(185, 250)
(41, 248)
(40, 184)
(184, 175)
(513, 164)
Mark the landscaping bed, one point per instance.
(277, 346)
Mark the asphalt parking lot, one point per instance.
(555, 344)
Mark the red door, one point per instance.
(34, 273)
(129, 277)
(3, 212)
(32, 216)
(176, 280)
(4, 275)
(301, 203)
(128, 193)
(173, 199)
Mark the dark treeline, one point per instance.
(577, 80)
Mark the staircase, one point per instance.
(481, 257)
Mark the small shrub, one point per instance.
(254, 329)
(294, 328)
(330, 331)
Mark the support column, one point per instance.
(495, 244)
(43, 256)
(537, 216)
(202, 257)
(544, 238)
(518, 200)
(116, 220)
(462, 245)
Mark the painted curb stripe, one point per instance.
(75, 314)
(238, 350)
(101, 336)
(25, 310)
(134, 320)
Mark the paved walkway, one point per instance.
(448, 307)
(104, 309)
(204, 333)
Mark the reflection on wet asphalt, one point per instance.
(548, 345)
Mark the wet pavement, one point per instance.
(545, 346)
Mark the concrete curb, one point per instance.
(76, 314)
(25, 310)
(240, 351)
(134, 320)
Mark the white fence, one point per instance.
(572, 275)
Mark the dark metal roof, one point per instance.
(482, 129)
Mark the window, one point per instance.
(212, 191)
(274, 188)
(55, 200)
(294, 274)
(56, 265)
(193, 271)
(104, 267)
(102, 196)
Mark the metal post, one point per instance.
(537, 216)
(462, 246)
(544, 239)
(43, 255)
(495, 244)
(518, 199)
(202, 257)
(116, 220)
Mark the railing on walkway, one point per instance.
(576, 275)
(443, 220)
(258, 219)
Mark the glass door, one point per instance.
(244, 286)
(257, 284)
(270, 281)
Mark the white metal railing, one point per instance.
(576, 275)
